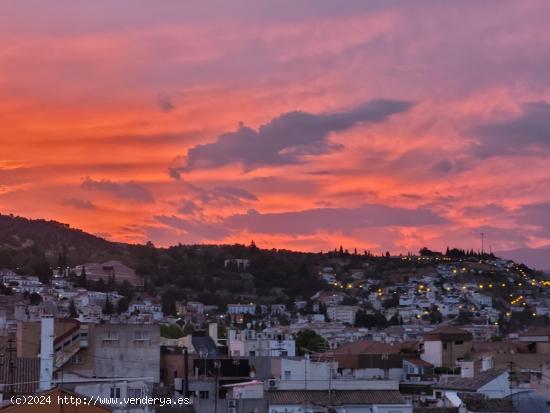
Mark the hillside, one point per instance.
(202, 273)
(25, 243)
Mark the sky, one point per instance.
(380, 125)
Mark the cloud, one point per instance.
(125, 190)
(188, 207)
(332, 219)
(165, 103)
(528, 133)
(237, 193)
(200, 230)
(79, 203)
(537, 214)
(286, 139)
(443, 166)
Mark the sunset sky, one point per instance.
(380, 125)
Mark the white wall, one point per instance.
(433, 353)
(498, 388)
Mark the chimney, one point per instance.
(467, 368)
(46, 352)
(213, 332)
(487, 363)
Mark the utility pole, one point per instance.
(11, 366)
(217, 365)
(482, 242)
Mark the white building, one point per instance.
(265, 343)
(238, 309)
(342, 313)
(303, 387)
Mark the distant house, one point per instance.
(266, 343)
(444, 345)
(237, 309)
(366, 359)
(343, 313)
(417, 370)
(537, 340)
(493, 384)
(339, 400)
(110, 271)
(236, 264)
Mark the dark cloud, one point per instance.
(188, 207)
(286, 139)
(496, 235)
(165, 103)
(200, 230)
(79, 203)
(443, 166)
(125, 190)
(528, 133)
(489, 210)
(537, 215)
(332, 219)
(237, 193)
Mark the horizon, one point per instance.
(377, 126)
(347, 251)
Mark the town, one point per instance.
(433, 332)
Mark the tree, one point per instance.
(309, 340)
(82, 281)
(108, 309)
(35, 298)
(122, 305)
(171, 331)
(42, 270)
(188, 329)
(72, 310)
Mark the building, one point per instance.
(110, 271)
(338, 401)
(365, 359)
(445, 345)
(266, 343)
(342, 313)
(537, 340)
(492, 383)
(119, 361)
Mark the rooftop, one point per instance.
(337, 397)
(448, 333)
(470, 383)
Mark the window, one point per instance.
(76, 359)
(203, 394)
(287, 375)
(252, 353)
(458, 342)
(444, 346)
(284, 353)
(111, 335)
(110, 339)
(115, 392)
(141, 335)
(135, 393)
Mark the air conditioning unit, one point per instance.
(272, 383)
